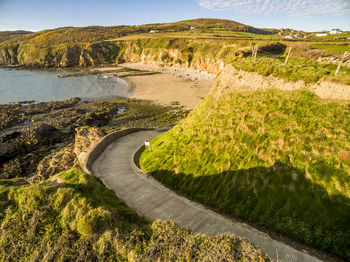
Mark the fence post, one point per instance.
(255, 51)
(341, 62)
(290, 50)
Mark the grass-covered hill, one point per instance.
(195, 53)
(279, 159)
(8, 34)
(73, 217)
(198, 43)
(229, 25)
(92, 34)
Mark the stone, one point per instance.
(7, 149)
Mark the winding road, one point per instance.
(117, 170)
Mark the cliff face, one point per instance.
(189, 53)
(231, 80)
(64, 56)
(234, 72)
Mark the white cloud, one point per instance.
(291, 7)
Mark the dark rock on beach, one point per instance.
(16, 113)
(38, 140)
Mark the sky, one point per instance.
(307, 15)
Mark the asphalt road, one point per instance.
(117, 170)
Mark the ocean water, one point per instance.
(43, 86)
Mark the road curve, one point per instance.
(117, 170)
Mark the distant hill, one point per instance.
(13, 33)
(102, 33)
(221, 23)
(17, 32)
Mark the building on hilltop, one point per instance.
(322, 34)
(336, 32)
(153, 31)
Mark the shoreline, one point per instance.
(166, 85)
(162, 85)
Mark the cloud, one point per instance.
(291, 7)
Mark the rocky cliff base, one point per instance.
(40, 140)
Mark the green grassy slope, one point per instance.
(77, 219)
(235, 53)
(273, 158)
(333, 48)
(202, 23)
(92, 34)
(43, 51)
(8, 34)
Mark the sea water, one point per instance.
(43, 86)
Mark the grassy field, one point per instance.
(270, 60)
(275, 158)
(212, 40)
(345, 35)
(333, 48)
(77, 219)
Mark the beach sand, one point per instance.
(168, 89)
(183, 87)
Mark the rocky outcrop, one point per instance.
(96, 118)
(84, 139)
(17, 157)
(73, 55)
(12, 114)
(7, 150)
(67, 157)
(62, 160)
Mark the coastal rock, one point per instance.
(20, 154)
(59, 161)
(96, 118)
(84, 139)
(6, 150)
(41, 134)
(17, 113)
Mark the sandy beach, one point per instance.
(180, 86)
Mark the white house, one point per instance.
(321, 34)
(154, 31)
(336, 32)
(192, 27)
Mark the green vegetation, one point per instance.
(198, 43)
(333, 48)
(238, 54)
(345, 35)
(73, 217)
(252, 35)
(198, 53)
(273, 158)
(92, 34)
(8, 34)
(204, 23)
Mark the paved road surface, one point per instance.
(116, 169)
